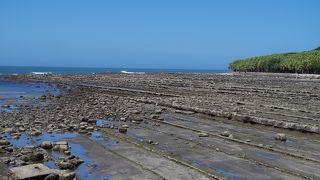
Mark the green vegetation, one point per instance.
(303, 62)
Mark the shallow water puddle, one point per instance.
(265, 156)
(215, 168)
(106, 142)
(85, 170)
(24, 140)
(55, 136)
(13, 94)
(8, 108)
(226, 173)
(110, 144)
(103, 122)
(196, 163)
(135, 137)
(96, 136)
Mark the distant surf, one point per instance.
(41, 73)
(127, 72)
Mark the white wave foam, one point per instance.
(128, 72)
(41, 73)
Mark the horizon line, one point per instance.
(115, 67)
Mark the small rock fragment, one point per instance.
(226, 134)
(203, 134)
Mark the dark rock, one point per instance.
(52, 176)
(46, 145)
(92, 121)
(226, 134)
(123, 130)
(36, 157)
(4, 142)
(65, 165)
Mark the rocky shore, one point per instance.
(167, 126)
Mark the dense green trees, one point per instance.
(303, 62)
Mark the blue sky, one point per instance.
(185, 34)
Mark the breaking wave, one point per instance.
(41, 73)
(128, 72)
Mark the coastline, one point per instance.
(80, 80)
(15, 70)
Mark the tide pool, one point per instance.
(13, 94)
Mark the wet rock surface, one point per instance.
(233, 126)
(38, 171)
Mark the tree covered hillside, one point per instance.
(303, 62)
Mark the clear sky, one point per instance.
(187, 34)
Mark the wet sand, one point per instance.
(185, 126)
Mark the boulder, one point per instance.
(122, 130)
(21, 129)
(281, 137)
(50, 126)
(154, 116)
(24, 158)
(37, 156)
(92, 121)
(39, 171)
(90, 128)
(75, 161)
(158, 111)
(9, 130)
(33, 171)
(52, 176)
(61, 143)
(65, 175)
(4, 142)
(18, 124)
(226, 134)
(65, 164)
(35, 132)
(46, 145)
(61, 146)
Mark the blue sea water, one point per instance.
(5, 70)
(13, 94)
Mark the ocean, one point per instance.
(5, 70)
